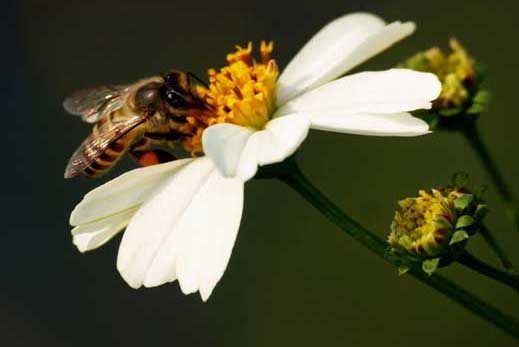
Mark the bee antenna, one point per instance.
(198, 79)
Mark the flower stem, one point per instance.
(496, 248)
(289, 173)
(471, 133)
(485, 269)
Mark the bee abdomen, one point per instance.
(108, 158)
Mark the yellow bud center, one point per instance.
(424, 224)
(456, 71)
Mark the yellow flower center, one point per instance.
(424, 224)
(455, 70)
(241, 93)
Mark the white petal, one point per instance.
(124, 192)
(205, 244)
(187, 230)
(237, 151)
(399, 124)
(337, 48)
(280, 139)
(391, 91)
(224, 144)
(90, 236)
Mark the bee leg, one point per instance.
(154, 157)
(146, 156)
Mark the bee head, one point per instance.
(177, 92)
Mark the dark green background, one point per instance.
(293, 279)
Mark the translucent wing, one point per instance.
(96, 103)
(96, 144)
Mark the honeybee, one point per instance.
(131, 118)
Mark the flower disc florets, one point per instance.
(424, 224)
(241, 93)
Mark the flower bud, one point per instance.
(460, 78)
(433, 227)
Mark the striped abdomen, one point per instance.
(110, 139)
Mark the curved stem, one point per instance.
(471, 133)
(485, 269)
(289, 173)
(498, 250)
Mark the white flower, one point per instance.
(182, 217)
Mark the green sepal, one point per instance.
(464, 222)
(403, 269)
(463, 201)
(458, 236)
(476, 109)
(480, 102)
(481, 72)
(450, 112)
(481, 212)
(460, 180)
(430, 265)
(480, 191)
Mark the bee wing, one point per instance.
(96, 103)
(97, 143)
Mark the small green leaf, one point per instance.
(430, 265)
(450, 112)
(405, 241)
(464, 222)
(480, 102)
(460, 179)
(459, 236)
(481, 212)
(463, 201)
(480, 191)
(481, 71)
(476, 109)
(483, 97)
(402, 270)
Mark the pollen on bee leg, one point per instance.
(148, 159)
(155, 157)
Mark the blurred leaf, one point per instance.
(481, 212)
(464, 221)
(402, 270)
(458, 236)
(460, 179)
(430, 265)
(463, 201)
(451, 111)
(483, 97)
(480, 102)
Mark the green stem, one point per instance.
(289, 173)
(471, 133)
(498, 250)
(485, 269)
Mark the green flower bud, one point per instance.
(460, 78)
(433, 227)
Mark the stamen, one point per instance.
(241, 93)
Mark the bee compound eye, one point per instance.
(147, 95)
(175, 100)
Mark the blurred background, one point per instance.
(294, 279)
